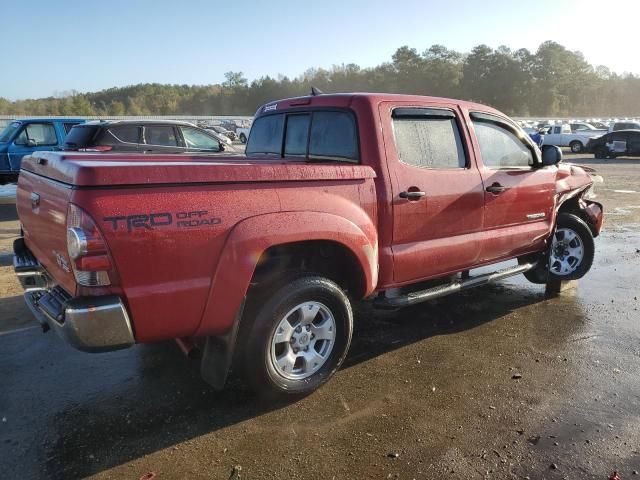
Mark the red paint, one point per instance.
(187, 278)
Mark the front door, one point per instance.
(437, 191)
(33, 137)
(519, 195)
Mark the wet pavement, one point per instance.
(497, 382)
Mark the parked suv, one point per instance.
(616, 144)
(624, 126)
(145, 136)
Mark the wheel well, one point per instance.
(327, 258)
(573, 206)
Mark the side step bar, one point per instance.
(455, 286)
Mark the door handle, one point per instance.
(496, 188)
(412, 195)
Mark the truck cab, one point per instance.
(26, 136)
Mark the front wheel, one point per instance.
(572, 248)
(243, 138)
(601, 153)
(576, 146)
(571, 253)
(299, 338)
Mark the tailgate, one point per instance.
(42, 208)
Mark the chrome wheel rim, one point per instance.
(567, 252)
(575, 148)
(303, 340)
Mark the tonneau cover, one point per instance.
(100, 169)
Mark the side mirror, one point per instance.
(221, 146)
(32, 143)
(551, 155)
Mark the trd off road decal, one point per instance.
(150, 221)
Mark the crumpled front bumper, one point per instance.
(90, 324)
(595, 212)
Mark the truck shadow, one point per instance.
(93, 412)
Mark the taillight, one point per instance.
(87, 249)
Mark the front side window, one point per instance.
(38, 135)
(160, 135)
(429, 142)
(500, 148)
(195, 139)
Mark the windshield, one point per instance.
(8, 132)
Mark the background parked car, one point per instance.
(585, 127)
(243, 133)
(624, 126)
(616, 144)
(223, 131)
(142, 136)
(562, 136)
(23, 137)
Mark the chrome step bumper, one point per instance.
(90, 324)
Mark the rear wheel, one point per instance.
(576, 146)
(299, 337)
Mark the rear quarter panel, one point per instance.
(166, 270)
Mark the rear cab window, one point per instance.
(313, 135)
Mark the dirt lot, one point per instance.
(427, 392)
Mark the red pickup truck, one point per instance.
(257, 259)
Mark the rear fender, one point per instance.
(251, 237)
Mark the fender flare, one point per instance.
(250, 238)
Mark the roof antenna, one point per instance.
(315, 91)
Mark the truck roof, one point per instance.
(345, 100)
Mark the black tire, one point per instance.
(582, 230)
(265, 317)
(243, 138)
(576, 146)
(601, 153)
(542, 274)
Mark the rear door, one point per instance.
(519, 195)
(161, 139)
(437, 190)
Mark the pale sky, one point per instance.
(52, 47)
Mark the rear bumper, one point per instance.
(90, 324)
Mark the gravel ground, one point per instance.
(497, 382)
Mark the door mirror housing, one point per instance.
(32, 143)
(221, 146)
(551, 155)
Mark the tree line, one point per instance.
(552, 81)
